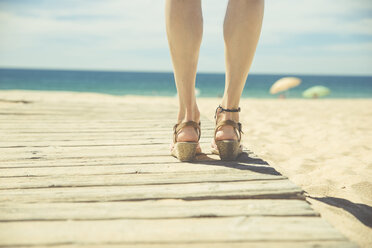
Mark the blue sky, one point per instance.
(298, 36)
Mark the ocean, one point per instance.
(162, 83)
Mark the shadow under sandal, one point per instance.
(228, 149)
(185, 151)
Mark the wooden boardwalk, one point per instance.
(80, 173)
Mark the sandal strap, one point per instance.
(177, 128)
(236, 125)
(225, 110)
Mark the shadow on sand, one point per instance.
(243, 162)
(362, 212)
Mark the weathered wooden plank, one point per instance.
(55, 139)
(37, 162)
(151, 209)
(89, 140)
(93, 151)
(78, 111)
(107, 132)
(93, 142)
(94, 123)
(19, 137)
(60, 152)
(244, 163)
(126, 107)
(80, 106)
(254, 163)
(270, 189)
(93, 138)
(104, 127)
(83, 121)
(54, 150)
(96, 143)
(230, 244)
(60, 155)
(227, 229)
(84, 143)
(89, 124)
(86, 111)
(101, 168)
(92, 160)
(62, 117)
(45, 128)
(82, 115)
(132, 179)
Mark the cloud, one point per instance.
(116, 34)
(288, 18)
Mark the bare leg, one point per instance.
(184, 25)
(242, 29)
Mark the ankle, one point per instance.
(229, 102)
(192, 114)
(228, 116)
(224, 115)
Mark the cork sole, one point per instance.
(185, 151)
(228, 149)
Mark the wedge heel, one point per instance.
(185, 151)
(228, 149)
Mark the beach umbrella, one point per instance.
(316, 91)
(284, 84)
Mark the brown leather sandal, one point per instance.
(185, 151)
(228, 149)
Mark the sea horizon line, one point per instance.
(171, 72)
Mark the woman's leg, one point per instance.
(184, 25)
(242, 29)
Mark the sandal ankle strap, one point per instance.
(177, 127)
(225, 110)
(236, 125)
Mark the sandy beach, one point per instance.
(323, 146)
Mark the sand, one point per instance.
(323, 145)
